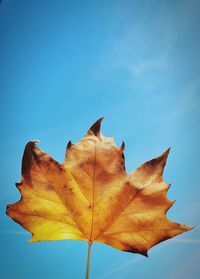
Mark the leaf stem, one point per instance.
(88, 260)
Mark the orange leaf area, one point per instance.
(91, 197)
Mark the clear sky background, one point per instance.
(64, 64)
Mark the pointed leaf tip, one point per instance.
(163, 157)
(95, 128)
(166, 152)
(69, 144)
(34, 141)
(189, 228)
(122, 146)
(31, 143)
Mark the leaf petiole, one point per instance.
(88, 260)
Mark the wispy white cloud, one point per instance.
(189, 268)
(148, 40)
(189, 99)
(139, 258)
(121, 267)
(143, 65)
(14, 232)
(159, 61)
(186, 240)
(126, 264)
(137, 49)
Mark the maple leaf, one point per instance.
(91, 197)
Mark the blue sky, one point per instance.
(63, 65)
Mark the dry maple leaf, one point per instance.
(91, 197)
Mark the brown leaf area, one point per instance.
(91, 197)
